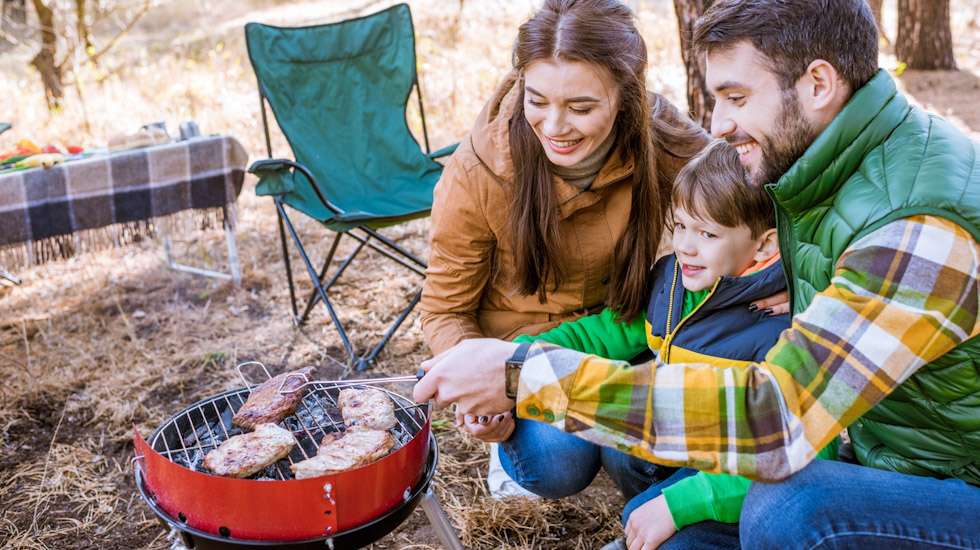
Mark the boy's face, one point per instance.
(707, 250)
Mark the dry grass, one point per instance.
(93, 345)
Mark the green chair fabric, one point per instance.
(339, 93)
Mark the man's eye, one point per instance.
(736, 99)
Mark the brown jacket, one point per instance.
(470, 288)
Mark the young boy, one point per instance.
(725, 257)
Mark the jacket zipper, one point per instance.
(668, 341)
(785, 237)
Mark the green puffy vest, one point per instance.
(878, 161)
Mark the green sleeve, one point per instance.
(715, 497)
(598, 334)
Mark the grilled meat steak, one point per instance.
(245, 454)
(367, 408)
(355, 447)
(266, 404)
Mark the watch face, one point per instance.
(513, 372)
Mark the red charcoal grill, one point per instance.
(350, 509)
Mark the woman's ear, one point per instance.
(767, 245)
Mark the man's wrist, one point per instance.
(512, 369)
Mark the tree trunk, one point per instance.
(44, 60)
(84, 37)
(699, 101)
(924, 39)
(876, 10)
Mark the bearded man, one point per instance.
(878, 211)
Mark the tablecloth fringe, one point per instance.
(23, 255)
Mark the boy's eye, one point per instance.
(678, 226)
(707, 235)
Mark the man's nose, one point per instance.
(721, 124)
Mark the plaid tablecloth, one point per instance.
(119, 188)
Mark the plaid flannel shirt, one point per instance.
(901, 297)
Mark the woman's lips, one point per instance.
(564, 146)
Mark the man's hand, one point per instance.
(470, 374)
(493, 429)
(649, 525)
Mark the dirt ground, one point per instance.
(93, 345)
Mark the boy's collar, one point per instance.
(759, 266)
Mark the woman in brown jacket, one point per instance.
(553, 207)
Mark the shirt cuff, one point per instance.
(687, 503)
(546, 377)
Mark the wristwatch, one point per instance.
(512, 369)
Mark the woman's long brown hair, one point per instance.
(601, 32)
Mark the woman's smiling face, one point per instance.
(571, 106)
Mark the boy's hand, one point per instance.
(493, 429)
(650, 525)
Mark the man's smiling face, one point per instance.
(764, 122)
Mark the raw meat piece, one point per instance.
(367, 408)
(266, 404)
(245, 454)
(356, 447)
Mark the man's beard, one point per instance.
(792, 134)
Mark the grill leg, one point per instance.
(440, 523)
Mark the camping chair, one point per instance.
(339, 93)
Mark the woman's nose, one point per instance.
(554, 123)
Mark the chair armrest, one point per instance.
(276, 177)
(4, 126)
(444, 152)
(269, 166)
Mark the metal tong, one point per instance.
(306, 381)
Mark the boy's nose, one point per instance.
(685, 247)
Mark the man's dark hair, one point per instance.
(793, 33)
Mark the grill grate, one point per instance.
(189, 435)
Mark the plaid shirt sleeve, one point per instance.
(901, 297)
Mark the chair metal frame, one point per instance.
(371, 238)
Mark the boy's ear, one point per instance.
(767, 245)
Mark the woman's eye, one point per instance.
(580, 110)
(535, 103)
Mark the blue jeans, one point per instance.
(553, 464)
(833, 505)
